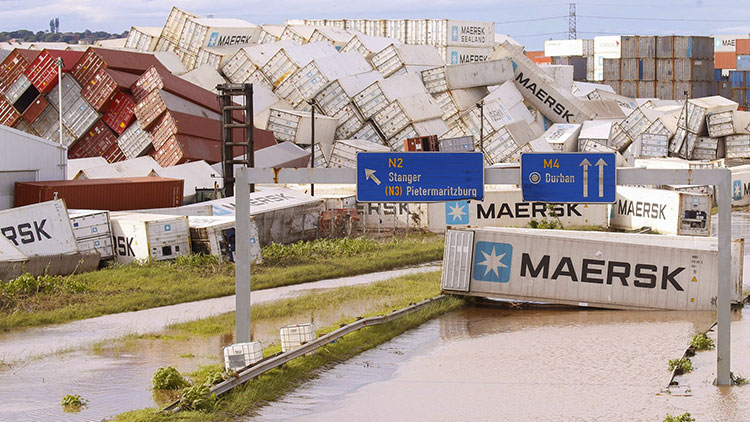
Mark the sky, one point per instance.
(528, 21)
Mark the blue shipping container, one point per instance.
(718, 77)
(737, 78)
(743, 62)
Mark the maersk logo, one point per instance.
(213, 39)
(454, 33)
(454, 57)
(457, 213)
(492, 261)
(737, 190)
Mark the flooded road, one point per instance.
(34, 342)
(498, 365)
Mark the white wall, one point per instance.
(25, 158)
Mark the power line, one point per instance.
(663, 19)
(533, 20)
(539, 35)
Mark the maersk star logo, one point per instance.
(492, 261)
(213, 39)
(737, 190)
(457, 213)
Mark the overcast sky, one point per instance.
(694, 17)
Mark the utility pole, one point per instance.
(572, 33)
(481, 126)
(312, 141)
(63, 151)
(227, 108)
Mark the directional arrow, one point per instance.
(586, 163)
(601, 163)
(370, 174)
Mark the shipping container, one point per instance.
(667, 212)
(725, 60)
(244, 66)
(9, 116)
(707, 148)
(339, 93)
(727, 43)
(433, 127)
(35, 109)
(21, 93)
(78, 115)
(215, 235)
(314, 76)
(693, 70)
(148, 110)
(563, 137)
(609, 270)
(720, 123)
(95, 143)
(334, 36)
(506, 208)
(737, 146)
(40, 228)
(143, 38)
(693, 115)
(43, 71)
(296, 127)
(94, 59)
(463, 55)
(147, 237)
(345, 152)
(288, 60)
(13, 66)
(368, 46)
(395, 28)
(120, 112)
(742, 46)
(107, 194)
(103, 85)
(396, 56)
(175, 23)
(403, 111)
(653, 145)
(92, 231)
(566, 48)
(500, 146)
(47, 125)
(693, 47)
(209, 32)
(369, 132)
(380, 93)
(459, 144)
(134, 141)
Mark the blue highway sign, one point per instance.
(568, 177)
(419, 176)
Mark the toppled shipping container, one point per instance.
(667, 212)
(39, 229)
(215, 235)
(146, 237)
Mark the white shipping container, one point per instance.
(506, 208)
(396, 56)
(135, 141)
(403, 111)
(247, 60)
(79, 117)
(737, 146)
(39, 229)
(706, 148)
(667, 212)
(563, 137)
(211, 32)
(296, 126)
(47, 125)
(294, 336)
(289, 59)
(92, 231)
(318, 73)
(555, 103)
(727, 43)
(300, 34)
(15, 91)
(335, 36)
(720, 124)
(380, 93)
(740, 187)
(270, 33)
(175, 23)
(565, 48)
(448, 32)
(345, 151)
(596, 131)
(143, 38)
(367, 46)
(693, 115)
(240, 355)
(500, 146)
(609, 270)
(146, 237)
(338, 94)
(653, 145)
(350, 121)
(368, 132)
(215, 235)
(464, 55)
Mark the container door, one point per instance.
(457, 260)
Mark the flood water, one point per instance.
(527, 365)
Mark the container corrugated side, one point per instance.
(611, 270)
(667, 212)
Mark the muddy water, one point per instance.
(499, 365)
(34, 342)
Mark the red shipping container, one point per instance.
(114, 154)
(180, 149)
(9, 116)
(726, 60)
(103, 86)
(120, 112)
(95, 143)
(742, 46)
(14, 65)
(128, 193)
(35, 109)
(95, 59)
(43, 70)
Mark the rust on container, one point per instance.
(95, 143)
(36, 108)
(42, 72)
(128, 193)
(95, 59)
(103, 85)
(14, 65)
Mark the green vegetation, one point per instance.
(546, 224)
(67, 37)
(685, 417)
(125, 288)
(73, 402)
(27, 287)
(701, 342)
(168, 379)
(680, 366)
(197, 397)
(274, 384)
(738, 379)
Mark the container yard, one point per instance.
(121, 211)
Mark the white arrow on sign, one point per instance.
(601, 163)
(370, 174)
(586, 163)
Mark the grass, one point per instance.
(125, 288)
(274, 384)
(683, 365)
(701, 342)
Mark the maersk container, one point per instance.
(334, 36)
(667, 212)
(596, 269)
(215, 235)
(39, 229)
(310, 79)
(720, 124)
(468, 75)
(740, 186)
(146, 237)
(369, 132)
(693, 116)
(143, 38)
(215, 57)
(345, 152)
(707, 148)
(737, 146)
(506, 208)
(211, 32)
(455, 33)
(289, 59)
(92, 231)
(380, 93)
(464, 55)
(396, 56)
(295, 126)
(350, 121)
(563, 137)
(175, 23)
(539, 90)
(247, 60)
(368, 46)
(339, 94)
(403, 111)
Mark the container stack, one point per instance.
(670, 67)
